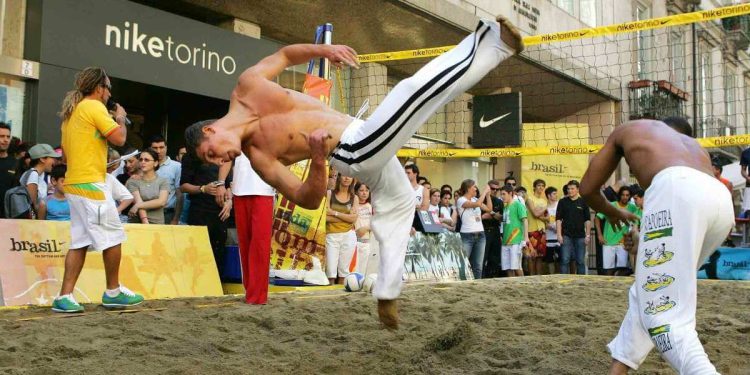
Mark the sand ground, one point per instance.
(534, 325)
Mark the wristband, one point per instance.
(335, 213)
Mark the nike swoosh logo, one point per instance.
(484, 124)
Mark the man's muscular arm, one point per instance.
(307, 194)
(295, 54)
(600, 168)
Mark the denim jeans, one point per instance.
(474, 249)
(573, 247)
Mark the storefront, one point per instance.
(167, 71)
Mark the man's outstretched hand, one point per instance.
(318, 144)
(622, 217)
(340, 55)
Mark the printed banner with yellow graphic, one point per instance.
(558, 170)
(627, 27)
(299, 234)
(158, 261)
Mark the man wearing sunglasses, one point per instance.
(94, 220)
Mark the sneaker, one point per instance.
(124, 299)
(510, 35)
(66, 304)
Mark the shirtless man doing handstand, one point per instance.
(687, 213)
(276, 127)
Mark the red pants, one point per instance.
(253, 215)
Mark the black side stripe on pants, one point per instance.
(390, 122)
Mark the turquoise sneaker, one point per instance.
(124, 299)
(66, 304)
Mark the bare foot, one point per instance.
(510, 35)
(388, 313)
(618, 368)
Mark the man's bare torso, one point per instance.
(651, 146)
(280, 120)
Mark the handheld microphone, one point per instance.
(112, 105)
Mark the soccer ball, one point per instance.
(370, 282)
(353, 282)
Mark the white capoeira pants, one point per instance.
(686, 216)
(367, 149)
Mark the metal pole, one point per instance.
(327, 38)
(695, 76)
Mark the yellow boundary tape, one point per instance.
(627, 27)
(513, 152)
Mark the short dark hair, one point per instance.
(156, 138)
(507, 188)
(549, 191)
(58, 171)
(413, 168)
(574, 182)
(154, 155)
(538, 181)
(446, 187)
(639, 193)
(194, 135)
(4, 125)
(521, 188)
(509, 178)
(624, 189)
(680, 124)
(493, 182)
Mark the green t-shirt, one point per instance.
(615, 237)
(513, 216)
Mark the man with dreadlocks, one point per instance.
(94, 220)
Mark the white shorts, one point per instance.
(94, 223)
(510, 258)
(339, 252)
(614, 257)
(745, 199)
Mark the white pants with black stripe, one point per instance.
(367, 148)
(686, 216)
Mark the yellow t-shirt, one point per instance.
(538, 203)
(84, 142)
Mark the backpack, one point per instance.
(17, 202)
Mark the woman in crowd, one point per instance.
(363, 209)
(340, 237)
(35, 178)
(150, 191)
(536, 203)
(472, 232)
(447, 212)
(434, 206)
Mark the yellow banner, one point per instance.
(513, 152)
(555, 171)
(627, 27)
(158, 261)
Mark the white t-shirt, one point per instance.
(246, 182)
(418, 194)
(552, 211)
(445, 213)
(33, 177)
(471, 218)
(117, 189)
(364, 214)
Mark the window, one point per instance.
(588, 12)
(704, 91)
(643, 43)
(677, 61)
(730, 94)
(567, 5)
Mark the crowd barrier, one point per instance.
(158, 261)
